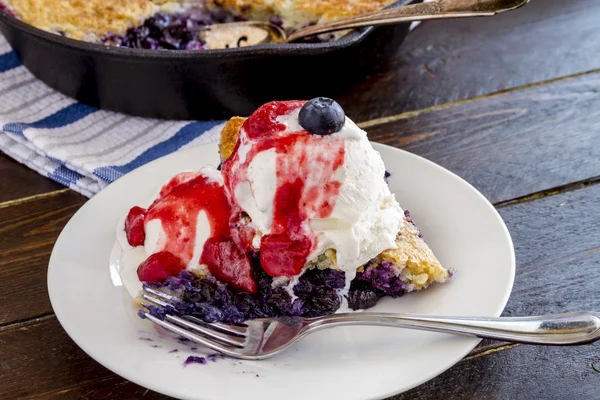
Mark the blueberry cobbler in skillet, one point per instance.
(298, 221)
(174, 24)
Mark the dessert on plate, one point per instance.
(298, 221)
(174, 24)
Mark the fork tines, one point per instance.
(224, 338)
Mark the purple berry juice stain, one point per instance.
(194, 360)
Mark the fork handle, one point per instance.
(558, 329)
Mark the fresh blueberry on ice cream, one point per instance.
(322, 116)
(298, 221)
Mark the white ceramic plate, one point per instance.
(461, 226)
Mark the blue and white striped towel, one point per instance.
(80, 146)
(77, 145)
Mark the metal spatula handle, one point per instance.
(439, 9)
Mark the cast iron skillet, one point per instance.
(202, 84)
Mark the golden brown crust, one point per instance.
(80, 18)
(337, 8)
(87, 19)
(414, 260)
(92, 19)
(298, 13)
(229, 135)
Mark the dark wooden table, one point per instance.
(511, 103)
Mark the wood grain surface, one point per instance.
(110, 388)
(557, 244)
(28, 230)
(42, 346)
(450, 60)
(17, 182)
(511, 144)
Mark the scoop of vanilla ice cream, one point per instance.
(366, 217)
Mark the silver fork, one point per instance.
(265, 337)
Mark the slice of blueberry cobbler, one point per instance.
(315, 294)
(174, 24)
(298, 221)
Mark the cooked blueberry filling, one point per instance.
(317, 293)
(177, 31)
(170, 32)
(383, 280)
(180, 31)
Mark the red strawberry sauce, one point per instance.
(178, 206)
(306, 188)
